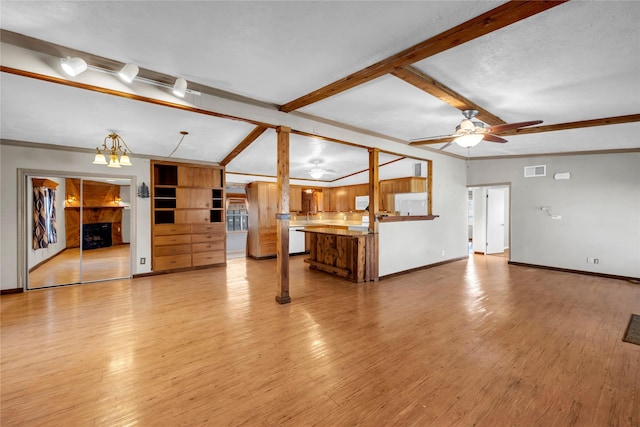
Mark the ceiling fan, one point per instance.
(469, 133)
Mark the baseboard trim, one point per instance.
(568, 270)
(11, 291)
(424, 267)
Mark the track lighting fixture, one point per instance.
(180, 87)
(73, 66)
(129, 72)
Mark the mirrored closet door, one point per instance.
(78, 230)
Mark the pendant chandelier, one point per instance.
(117, 152)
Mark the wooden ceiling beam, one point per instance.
(499, 17)
(253, 135)
(417, 78)
(616, 120)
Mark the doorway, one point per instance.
(489, 219)
(77, 229)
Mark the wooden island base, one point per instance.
(345, 253)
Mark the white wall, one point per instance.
(413, 244)
(63, 163)
(599, 206)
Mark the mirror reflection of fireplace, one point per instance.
(96, 236)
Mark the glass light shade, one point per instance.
(129, 72)
(73, 66)
(124, 160)
(180, 87)
(470, 140)
(316, 173)
(113, 161)
(99, 159)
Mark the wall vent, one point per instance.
(533, 171)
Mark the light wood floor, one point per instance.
(469, 343)
(97, 264)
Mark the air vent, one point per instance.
(533, 171)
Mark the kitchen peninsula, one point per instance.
(346, 253)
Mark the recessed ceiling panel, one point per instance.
(389, 106)
(273, 51)
(577, 61)
(42, 112)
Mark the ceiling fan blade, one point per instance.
(509, 126)
(428, 138)
(439, 140)
(493, 138)
(446, 145)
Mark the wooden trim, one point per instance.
(252, 136)
(424, 267)
(11, 291)
(399, 218)
(499, 17)
(568, 270)
(417, 78)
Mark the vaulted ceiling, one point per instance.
(401, 71)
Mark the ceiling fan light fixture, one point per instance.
(469, 140)
(316, 173)
(73, 66)
(129, 72)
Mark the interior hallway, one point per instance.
(474, 342)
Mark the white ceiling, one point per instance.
(576, 61)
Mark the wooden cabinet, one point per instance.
(188, 216)
(263, 207)
(390, 187)
(295, 198)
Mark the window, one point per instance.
(237, 215)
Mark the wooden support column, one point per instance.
(374, 206)
(283, 216)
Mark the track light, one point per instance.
(128, 72)
(73, 66)
(180, 87)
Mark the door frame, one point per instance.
(23, 216)
(507, 186)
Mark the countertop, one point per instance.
(335, 232)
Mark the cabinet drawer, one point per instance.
(192, 216)
(203, 238)
(172, 240)
(206, 247)
(166, 229)
(208, 228)
(268, 249)
(206, 258)
(171, 250)
(171, 262)
(268, 237)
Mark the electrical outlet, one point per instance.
(596, 261)
(143, 260)
(443, 252)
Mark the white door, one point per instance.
(495, 221)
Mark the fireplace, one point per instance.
(96, 236)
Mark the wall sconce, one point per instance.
(117, 200)
(71, 199)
